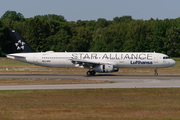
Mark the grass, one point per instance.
(101, 104)
(12, 66)
(176, 59)
(48, 81)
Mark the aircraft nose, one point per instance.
(173, 62)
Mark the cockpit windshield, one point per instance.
(167, 57)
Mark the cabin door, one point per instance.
(35, 59)
(155, 58)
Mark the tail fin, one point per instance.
(18, 43)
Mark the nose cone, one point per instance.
(173, 62)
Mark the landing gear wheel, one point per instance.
(155, 70)
(93, 72)
(156, 74)
(88, 73)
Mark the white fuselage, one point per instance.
(117, 59)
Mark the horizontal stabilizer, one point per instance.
(13, 56)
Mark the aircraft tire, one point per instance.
(93, 72)
(88, 73)
(156, 74)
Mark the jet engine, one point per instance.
(105, 68)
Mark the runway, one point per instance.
(111, 77)
(118, 81)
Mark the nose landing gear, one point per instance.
(155, 70)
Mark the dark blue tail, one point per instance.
(18, 43)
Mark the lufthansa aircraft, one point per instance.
(102, 62)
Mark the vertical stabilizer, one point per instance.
(18, 43)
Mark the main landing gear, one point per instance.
(155, 70)
(89, 73)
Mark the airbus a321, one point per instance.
(102, 62)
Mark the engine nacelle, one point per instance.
(104, 68)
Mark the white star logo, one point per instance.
(20, 45)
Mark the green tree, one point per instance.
(54, 26)
(81, 39)
(13, 15)
(101, 23)
(5, 44)
(96, 43)
(52, 17)
(9, 23)
(122, 19)
(80, 23)
(38, 31)
(172, 41)
(109, 39)
(136, 37)
(59, 42)
(160, 28)
(91, 23)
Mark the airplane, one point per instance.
(102, 62)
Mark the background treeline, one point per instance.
(122, 34)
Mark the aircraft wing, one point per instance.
(80, 61)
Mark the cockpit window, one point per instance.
(167, 57)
